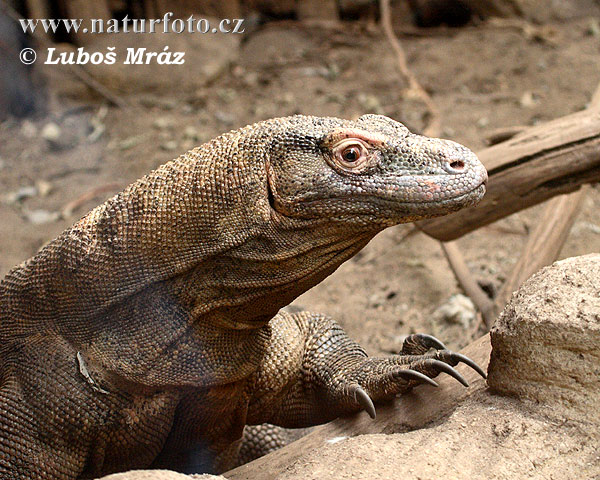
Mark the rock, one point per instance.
(41, 217)
(191, 133)
(545, 352)
(483, 122)
(370, 103)
(484, 438)
(159, 475)
(225, 118)
(546, 343)
(21, 194)
(206, 57)
(459, 309)
(28, 129)
(130, 142)
(593, 28)
(163, 123)
(59, 138)
(528, 100)
(43, 188)
(169, 146)
(51, 132)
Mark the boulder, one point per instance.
(546, 343)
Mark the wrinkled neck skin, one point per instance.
(280, 262)
(258, 260)
(271, 260)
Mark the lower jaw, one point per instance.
(382, 213)
(413, 213)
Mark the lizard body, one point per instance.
(148, 333)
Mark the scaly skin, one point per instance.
(148, 333)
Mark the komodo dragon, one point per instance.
(148, 333)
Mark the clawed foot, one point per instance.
(422, 358)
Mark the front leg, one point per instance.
(313, 372)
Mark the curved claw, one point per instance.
(430, 341)
(444, 367)
(363, 399)
(420, 343)
(409, 374)
(459, 357)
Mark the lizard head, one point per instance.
(370, 171)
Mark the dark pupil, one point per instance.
(351, 155)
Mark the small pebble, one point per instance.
(528, 100)
(51, 132)
(28, 129)
(169, 146)
(191, 133)
(20, 195)
(458, 309)
(43, 188)
(163, 123)
(40, 217)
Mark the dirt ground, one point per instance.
(481, 77)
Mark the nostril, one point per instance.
(457, 165)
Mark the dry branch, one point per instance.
(73, 205)
(544, 242)
(468, 283)
(502, 134)
(542, 248)
(414, 87)
(547, 160)
(422, 406)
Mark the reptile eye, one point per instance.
(351, 154)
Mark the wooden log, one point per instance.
(503, 133)
(543, 161)
(542, 248)
(544, 242)
(425, 404)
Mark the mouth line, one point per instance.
(378, 199)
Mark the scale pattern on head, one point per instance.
(369, 171)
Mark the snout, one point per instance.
(448, 177)
(462, 164)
